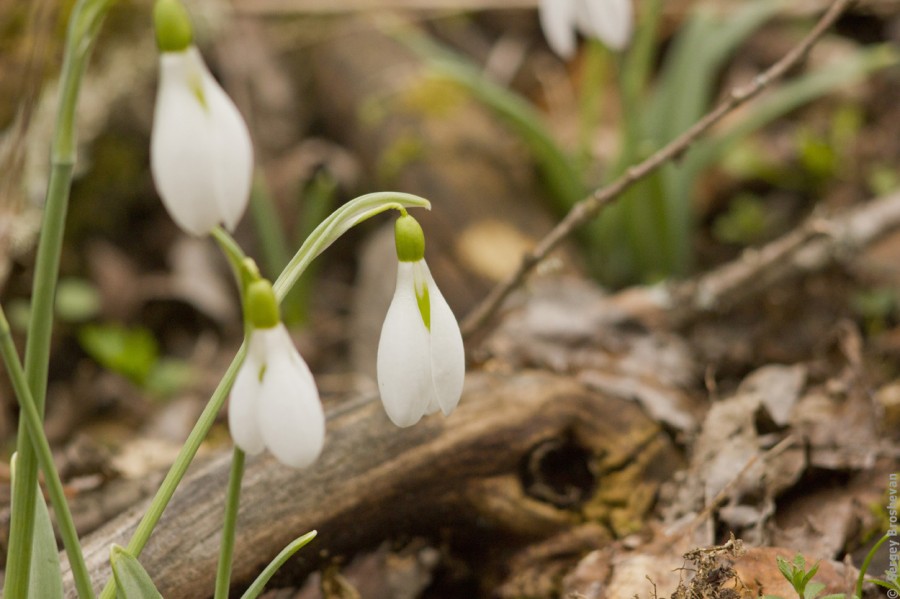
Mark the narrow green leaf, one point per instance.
(46, 575)
(786, 570)
(132, 581)
(260, 583)
(804, 580)
(885, 584)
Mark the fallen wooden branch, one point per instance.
(483, 466)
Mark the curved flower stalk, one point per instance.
(201, 155)
(421, 361)
(274, 402)
(610, 21)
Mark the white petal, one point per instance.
(243, 409)
(404, 364)
(609, 21)
(290, 414)
(558, 22)
(201, 154)
(448, 360)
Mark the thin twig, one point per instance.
(591, 206)
(818, 241)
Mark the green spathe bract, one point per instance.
(173, 26)
(410, 239)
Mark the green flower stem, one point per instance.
(348, 215)
(232, 502)
(87, 16)
(257, 587)
(32, 419)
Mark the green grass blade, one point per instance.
(260, 583)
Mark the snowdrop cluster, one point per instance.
(202, 163)
(609, 21)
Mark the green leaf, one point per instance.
(132, 581)
(891, 586)
(812, 590)
(131, 352)
(46, 575)
(259, 584)
(786, 570)
(804, 580)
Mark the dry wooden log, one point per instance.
(491, 469)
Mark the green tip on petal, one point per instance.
(173, 26)
(262, 306)
(424, 301)
(410, 239)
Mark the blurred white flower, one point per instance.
(609, 21)
(421, 362)
(275, 403)
(201, 155)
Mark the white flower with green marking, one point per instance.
(610, 21)
(274, 401)
(421, 362)
(201, 155)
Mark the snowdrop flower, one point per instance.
(274, 402)
(609, 21)
(201, 155)
(421, 364)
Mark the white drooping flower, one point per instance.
(421, 361)
(609, 21)
(201, 155)
(274, 401)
